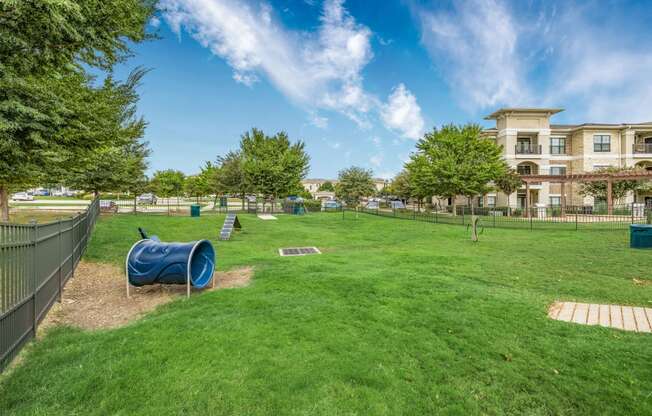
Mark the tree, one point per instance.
(619, 189)
(401, 185)
(46, 48)
(229, 176)
(354, 183)
(508, 183)
(455, 160)
(168, 183)
(197, 186)
(120, 163)
(273, 166)
(326, 187)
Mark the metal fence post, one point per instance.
(576, 219)
(632, 209)
(60, 265)
(34, 276)
(72, 248)
(529, 212)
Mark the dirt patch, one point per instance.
(96, 297)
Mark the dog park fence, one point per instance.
(171, 206)
(551, 218)
(36, 261)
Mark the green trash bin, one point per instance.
(640, 236)
(194, 210)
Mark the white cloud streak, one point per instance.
(320, 70)
(495, 53)
(403, 114)
(475, 46)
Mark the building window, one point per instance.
(491, 201)
(557, 170)
(555, 201)
(524, 169)
(602, 143)
(558, 145)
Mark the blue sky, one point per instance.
(360, 81)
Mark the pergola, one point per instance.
(609, 178)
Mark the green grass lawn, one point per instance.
(395, 317)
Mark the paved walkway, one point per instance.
(628, 318)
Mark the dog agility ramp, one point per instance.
(230, 222)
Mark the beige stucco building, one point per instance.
(532, 144)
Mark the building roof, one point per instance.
(318, 181)
(523, 110)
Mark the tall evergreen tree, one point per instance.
(47, 102)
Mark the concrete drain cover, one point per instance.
(298, 251)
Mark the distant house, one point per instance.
(312, 186)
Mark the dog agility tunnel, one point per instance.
(151, 261)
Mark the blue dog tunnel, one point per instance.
(151, 261)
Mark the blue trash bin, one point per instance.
(640, 236)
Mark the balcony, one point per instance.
(528, 149)
(642, 148)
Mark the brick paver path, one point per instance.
(628, 318)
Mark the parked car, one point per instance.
(22, 196)
(41, 192)
(332, 204)
(147, 199)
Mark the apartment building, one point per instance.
(534, 145)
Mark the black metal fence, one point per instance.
(36, 261)
(173, 206)
(569, 218)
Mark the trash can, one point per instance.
(194, 210)
(640, 236)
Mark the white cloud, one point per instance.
(599, 72)
(154, 22)
(475, 46)
(318, 121)
(319, 70)
(494, 53)
(402, 113)
(376, 160)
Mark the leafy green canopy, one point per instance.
(120, 161)
(272, 165)
(48, 106)
(455, 160)
(167, 183)
(619, 189)
(353, 184)
(509, 182)
(326, 187)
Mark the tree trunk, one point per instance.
(4, 203)
(454, 206)
(470, 199)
